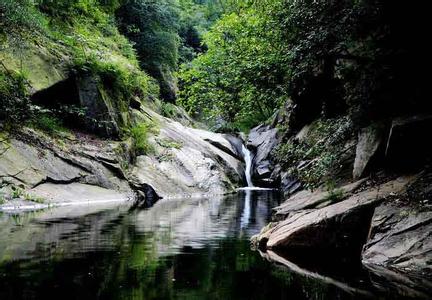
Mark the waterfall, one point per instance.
(248, 160)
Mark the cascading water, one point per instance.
(248, 160)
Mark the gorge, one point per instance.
(214, 149)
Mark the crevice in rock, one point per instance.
(57, 181)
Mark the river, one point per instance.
(178, 249)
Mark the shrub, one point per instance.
(320, 151)
(48, 123)
(140, 134)
(14, 100)
(19, 18)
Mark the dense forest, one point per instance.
(234, 63)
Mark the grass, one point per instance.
(170, 144)
(32, 198)
(49, 124)
(140, 134)
(17, 192)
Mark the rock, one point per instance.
(337, 229)
(262, 140)
(289, 184)
(369, 141)
(77, 193)
(203, 163)
(400, 238)
(101, 115)
(263, 169)
(308, 200)
(26, 164)
(408, 144)
(146, 196)
(303, 133)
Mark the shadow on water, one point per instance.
(178, 249)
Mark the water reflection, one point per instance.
(178, 249)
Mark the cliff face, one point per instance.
(354, 194)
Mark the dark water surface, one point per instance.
(178, 249)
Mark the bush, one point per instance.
(19, 18)
(140, 134)
(320, 152)
(14, 100)
(124, 82)
(49, 123)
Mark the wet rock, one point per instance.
(26, 164)
(77, 193)
(146, 196)
(369, 141)
(289, 184)
(262, 140)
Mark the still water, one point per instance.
(178, 249)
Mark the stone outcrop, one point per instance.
(339, 228)
(262, 140)
(369, 141)
(185, 162)
(400, 238)
(188, 161)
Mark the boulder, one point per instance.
(337, 229)
(369, 141)
(400, 238)
(308, 200)
(408, 144)
(262, 140)
(101, 115)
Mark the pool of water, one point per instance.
(178, 249)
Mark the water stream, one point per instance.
(248, 158)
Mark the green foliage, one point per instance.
(319, 155)
(140, 134)
(240, 78)
(153, 28)
(170, 144)
(168, 110)
(48, 123)
(334, 194)
(32, 198)
(20, 19)
(124, 82)
(14, 101)
(17, 192)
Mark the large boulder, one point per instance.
(262, 140)
(369, 141)
(336, 229)
(400, 238)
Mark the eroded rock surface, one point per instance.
(341, 227)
